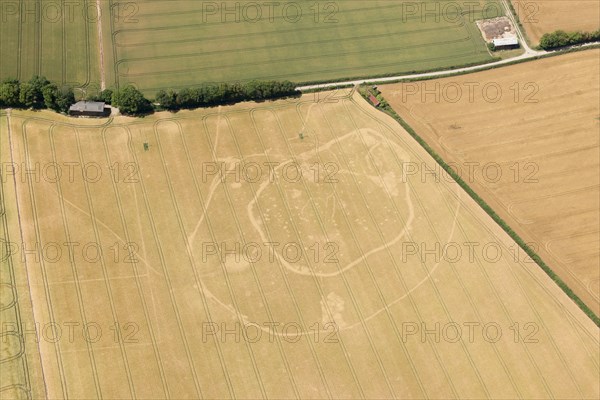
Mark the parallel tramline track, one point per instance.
(138, 283)
(44, 273)
(233, 36)
(123, 59)
(396, 267)
(282, 272)
(321, 293)
(205, 302)
(197, 25)
(483, 269)
(73, 265)
(292, 75)
(396, 270)
(307, 259)
(449, 207)
(240, 231)
(104, 269)
(184, 235)
(165, 267)
(324, 232)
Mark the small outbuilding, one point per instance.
(506, 43)
(89, 109)
(374, 100)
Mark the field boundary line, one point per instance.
(534, 278)
(483, 204)
(419, 202)
(10, 265)
(386, 306)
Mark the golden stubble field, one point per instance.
(529, 147)
(280, 250)
(545, 16)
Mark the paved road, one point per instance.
(529, 54)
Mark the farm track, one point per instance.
(101, 45)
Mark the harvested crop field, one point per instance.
(533, 149)
(284, 250)
(546, 16)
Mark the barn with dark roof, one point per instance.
(89, 109)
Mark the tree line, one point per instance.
(37, 93)
(40, 93)
(208, 94)
(561, 38)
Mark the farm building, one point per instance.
(374, 100)
(506, 43)
(89, 109)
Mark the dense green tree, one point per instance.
(58, 99)
(561, 39)
(167, 99)
(131, 101)
(50, 93)
(31, 94)
(106, 96)
(9, 93)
